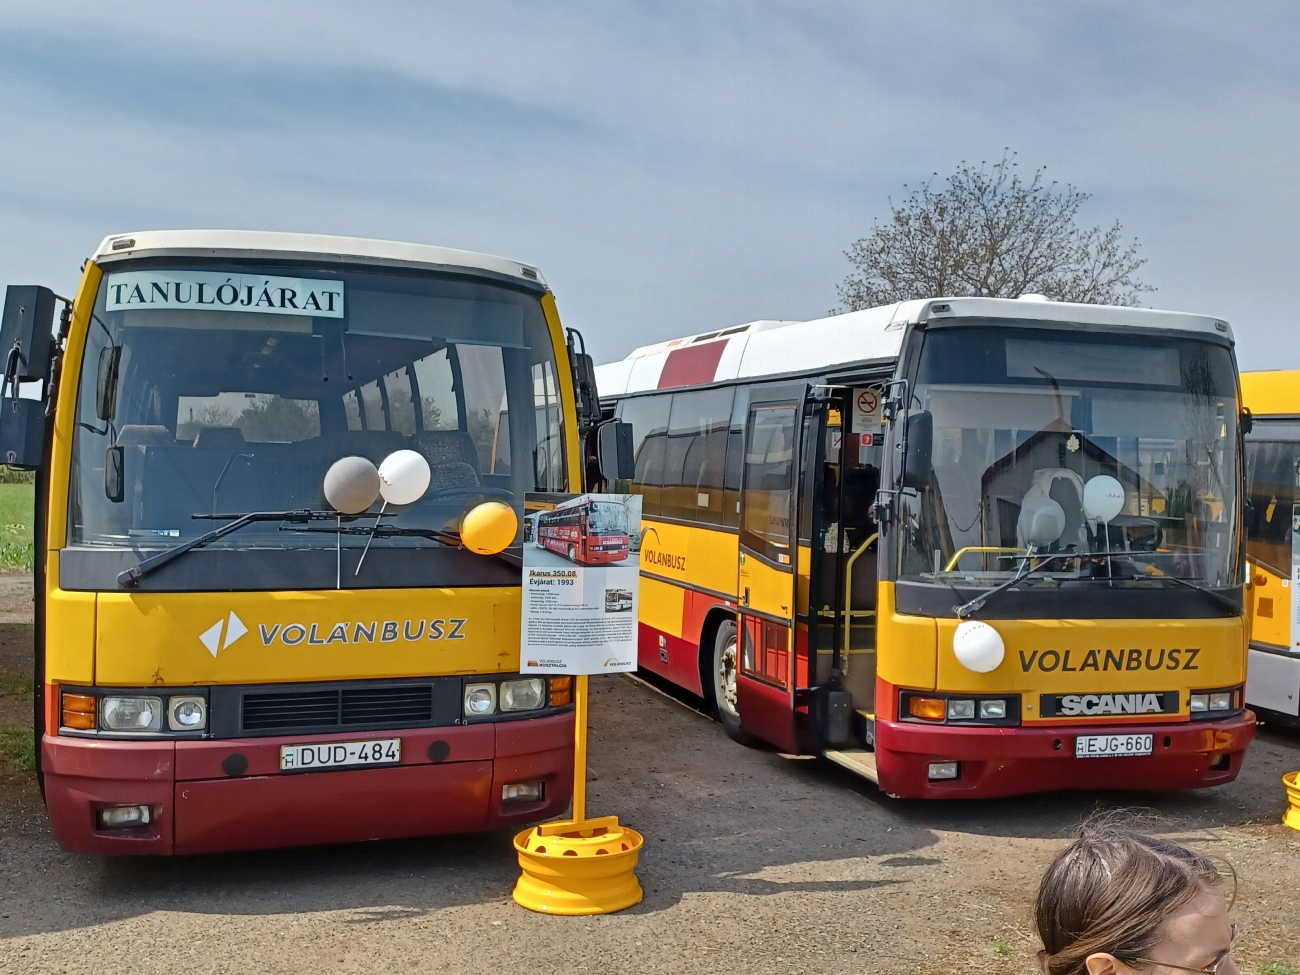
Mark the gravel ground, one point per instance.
(753, 863)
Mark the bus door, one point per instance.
(839, 484)
(766, 582)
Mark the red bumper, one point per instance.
(1014, 761)
(210, 796)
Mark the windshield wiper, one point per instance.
(967, 609)
(129, 577)
(1205, 591)
(448, 538)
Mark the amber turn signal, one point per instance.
(561, 691)
(927, 708)
(79, 711)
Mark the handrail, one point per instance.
(952, 562)
(848, 592)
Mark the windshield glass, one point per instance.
(1029, 423)
(224, 390)
(1272, 473)
(605, 517)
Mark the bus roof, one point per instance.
(1271, 393)
(319, 247)
(771, 348)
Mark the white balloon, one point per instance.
(978, 646)
(351, 485)
(1103, 498)
(403, 477)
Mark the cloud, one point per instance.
(671, 167)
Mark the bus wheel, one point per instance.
(573, 554)
(725, 661)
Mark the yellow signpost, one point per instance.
(578, 865)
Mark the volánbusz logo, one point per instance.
(375, 631)
(1133, 658)
(1096, 705)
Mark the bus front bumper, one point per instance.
(211, 796)
(1014, 761)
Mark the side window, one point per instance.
(769, 482)
(697, 455)
(352, 409)
(483, 374)
(735, 459)
(548, 461)
(372, 405)
(435, 382)
(401, 406)
(1271, 476)
(649, 418)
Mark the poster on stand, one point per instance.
(581, 583)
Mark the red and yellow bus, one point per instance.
(960, 546)
(586, 531)
(1273, 506)
(216, 666)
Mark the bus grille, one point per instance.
(327, 709)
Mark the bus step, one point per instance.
(856, 760)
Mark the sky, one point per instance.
(672, 167)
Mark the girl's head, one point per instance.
(1115, 902)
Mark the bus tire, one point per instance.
(573, 554)
(723, 683)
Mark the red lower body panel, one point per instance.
(210, 796)
(1014, 761)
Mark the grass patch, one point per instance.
(1276, 968)
(11, 685)
(17, 750)
(1002, 947)
(17, 512)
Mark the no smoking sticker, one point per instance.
(866, 410)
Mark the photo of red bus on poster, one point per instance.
(581, 578)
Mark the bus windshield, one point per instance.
(1025, 418)
(226, 389)
(606, 517)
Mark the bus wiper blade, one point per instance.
(1216, 596)
(130, 577)
(968, 609)
(448, 538)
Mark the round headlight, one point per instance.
(480, 699)
(187, 714)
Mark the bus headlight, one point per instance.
(993, 709)
(131, 713)
(523, 695)
(187, 713)
(1221, 701)
(480, 699)
(960, 708)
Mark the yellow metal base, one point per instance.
(1292, 816)
(578, 867)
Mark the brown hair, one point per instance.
(1109, 891)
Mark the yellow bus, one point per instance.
(1272, 476)
(960, 546)
(220, 663)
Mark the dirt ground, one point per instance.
(753, 863)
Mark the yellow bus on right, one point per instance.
(1272, 510)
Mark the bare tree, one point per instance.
(989, 233)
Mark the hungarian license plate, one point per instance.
(340, 754)
(1112, 746)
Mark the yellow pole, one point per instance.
(580, 750)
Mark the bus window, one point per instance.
(649, 418)
(769, 482)
(1271, 470)
(401, 408)
(548, 460)
(696, 455)
(735, 459)
(259, 417)
(484, 376)
(434, 380)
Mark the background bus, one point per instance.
(586, 531)
(959, 546)
(1272, 475)
(208, 374)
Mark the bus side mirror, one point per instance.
(918, 436)
(614, 451)
(27, 333)
(1247, 421)
(106, 382)
(114, 474)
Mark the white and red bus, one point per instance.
(585, 530)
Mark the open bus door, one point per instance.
(765, 679)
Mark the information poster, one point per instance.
(581, 583)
